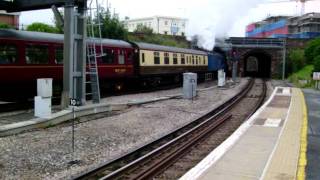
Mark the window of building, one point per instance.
(166, 58)
(109, 57)
(175, 59)
(121, 57)
(196, 59)
(166, 23)
(37, 54)
(8, 54)
(182, 59)
(143, 60)
(166, 32)
(156, 57)
(192, 59)
(182, 34)
(58, 55)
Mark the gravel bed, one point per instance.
(46, 153)
(18, 116)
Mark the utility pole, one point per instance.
(74, 51)
(68, 53)
(284, 56)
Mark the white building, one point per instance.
(160, 24)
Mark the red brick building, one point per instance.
(10, 18)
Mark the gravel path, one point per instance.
(45, 153)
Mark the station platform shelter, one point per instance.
(271, 144)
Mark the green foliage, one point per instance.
(312, 50)
(143, 29)
(41, 27)
(296, 59)
(111, 26)
(5, 26)
(303, 74)
(317, 64)
(165, 40)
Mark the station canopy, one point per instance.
(27, 5)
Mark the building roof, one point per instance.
(155, 47)
(50, 37)
(2, 12)
(155, 17)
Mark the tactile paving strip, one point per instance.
(280, 102)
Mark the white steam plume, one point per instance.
(212, 19)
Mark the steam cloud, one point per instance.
(214, 19)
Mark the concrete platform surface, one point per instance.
(267, 146)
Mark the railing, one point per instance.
(256, 42)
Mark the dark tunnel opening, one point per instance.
(257, 64)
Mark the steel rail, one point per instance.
(216, 113)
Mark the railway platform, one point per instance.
(271, 144)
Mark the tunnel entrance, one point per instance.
(257, 64)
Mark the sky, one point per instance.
(208, 18)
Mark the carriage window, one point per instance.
(130, 56)
(156, 58)
(37, 54)
(8, 54)
(121, 57)
(109, 57)
(166, 58)
(58, 59)
(175, 59)
(182, 59)
(143, 58)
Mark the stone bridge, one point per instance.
(261, 57)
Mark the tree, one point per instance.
(5, 26)
(296, 59)
(142, 29)
(111, 26)
(41, 27)
(317, 64)
(312, 50)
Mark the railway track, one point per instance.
(165, 157)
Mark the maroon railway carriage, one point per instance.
(26, 56)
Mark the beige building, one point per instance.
(160, 24)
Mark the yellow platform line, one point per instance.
(301, 173)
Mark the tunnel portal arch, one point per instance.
(257, 63)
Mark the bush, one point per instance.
(317, 63)
(296, 59)
(5, 26)
(160, 39)
(143, 29)
(312, 50)
(41, 27)
(303, 74)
